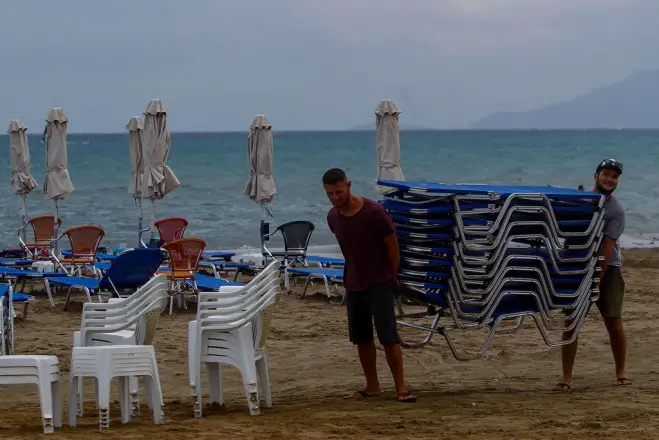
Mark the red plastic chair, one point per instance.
(184, 257)
(84, 241)
(171, 229)
(42, 229)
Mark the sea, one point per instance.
(213, 169)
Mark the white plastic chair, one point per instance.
(127, 321)
(43, 371)
(228, 330)
(7, 322)
(110, 361)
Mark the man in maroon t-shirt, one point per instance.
(368, 241)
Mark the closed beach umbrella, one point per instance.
(57, 184)
(387, 142)
(22, 182)
(261, 185)
(135, 126)
(158, 179)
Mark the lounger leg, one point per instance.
(327, 289)
(48, 292)
(68, 295)
(306, 286)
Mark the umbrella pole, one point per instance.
(153, 220)
(56, 244)
(23, 218)
(140, 218)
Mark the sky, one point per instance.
(312, 64)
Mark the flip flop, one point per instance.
(361, 394)
(406, 397)
(562, 386)
(623, 381)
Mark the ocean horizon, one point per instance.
(213, 169)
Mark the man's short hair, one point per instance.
(334, 176)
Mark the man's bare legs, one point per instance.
(394, 355)
(618, 343)
(367, 357)
(568, 355)
(395, 360)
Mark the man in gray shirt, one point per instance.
(611, 282)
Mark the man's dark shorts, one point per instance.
(374, 305)
(612, 292)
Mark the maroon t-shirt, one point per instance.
(361, 238)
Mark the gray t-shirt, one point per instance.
(614, 225)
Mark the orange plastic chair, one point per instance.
(84, 241)
(171, 229)
(42, 229)
(184, 257)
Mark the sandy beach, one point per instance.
(312, 365)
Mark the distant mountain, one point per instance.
(630, 103)
(403, 126)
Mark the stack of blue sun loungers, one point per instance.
(477, 255)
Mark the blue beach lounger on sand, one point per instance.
(207, 283)
(325, 261)
(132, 269)
(226, 266)
(329, 277)
(17, 298)
(22, 275)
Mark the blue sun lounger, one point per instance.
(330, 277)
(132, 269)
(17, 298)
(481, 254)
(20, 277)
(326, 261)
(207, 283)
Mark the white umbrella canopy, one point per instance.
(158, 179)
(387, 142)
(260, 186)
(22, 182)
(135, 129)
(57, 184)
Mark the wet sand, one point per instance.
(312, 365)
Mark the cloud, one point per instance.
(317, 63)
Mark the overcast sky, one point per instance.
(312, 64)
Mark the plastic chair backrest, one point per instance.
(228, 310)
(42, 227)
(132, 268)
(171, 229)
(297, 234)
(84, 240)
(122, 314)
(185, 253)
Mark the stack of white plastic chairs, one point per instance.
(110, 344)
(42, 371)
(228, 331)
(6, 322)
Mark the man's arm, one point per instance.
(384, 228)
(614, 225)
(391, 242)
(608, 245)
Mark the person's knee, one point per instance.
(614, 325)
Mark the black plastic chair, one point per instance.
(296, 235)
